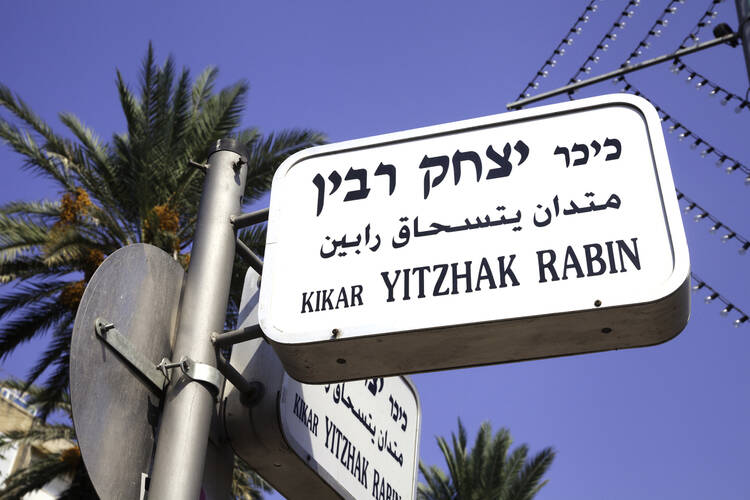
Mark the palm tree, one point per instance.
(246, 484)
(67, 462)
(138, 187)
(488, 471)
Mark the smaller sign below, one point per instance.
(363, 433)
(354, 440)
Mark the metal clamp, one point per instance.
(111, 336)
(200, 372)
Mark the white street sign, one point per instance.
(354, 440)
(363, 434)
(530, 234)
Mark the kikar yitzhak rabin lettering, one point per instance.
(517, 236)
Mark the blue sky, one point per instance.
(661, 422)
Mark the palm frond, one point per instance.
(247, 484)
(55, 353)
(35, 476)
(36, 434)
(20, 234)
(529, 480)
(203, 88)
(36, 320)
(43, 208)
(22, 111)
(267, 153)
(28, 294)
(487, 471)
(30, 269)
(80, 487)
(34, 156)
(55, 387)
(36, 393)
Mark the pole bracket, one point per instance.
(157, 375)
(192, 370)
(111, 336)
(236, 336)
(248, 219)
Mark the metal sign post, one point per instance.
(188, 406)
(743, 14)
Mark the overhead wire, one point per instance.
(559, 51)
(707, 148)
(680, 66)
(717, 226)
(654, 31)
(729, 306)
(609, 36)
(699, 283)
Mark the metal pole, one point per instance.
(743, 12)
(622, 71)
(188, 406)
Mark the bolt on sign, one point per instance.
(531, 234)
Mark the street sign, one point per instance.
(351, 439)
(363, 433)
(531, 234)
(115, 402)
(115, 409)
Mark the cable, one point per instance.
(653, 31)
(610, 35)
(707, 83)
(708, 148)
(729, 306)
(560, 49)
(729, 233)
(714, 295)
(693, 75)
(704, 21)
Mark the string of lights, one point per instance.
(559, 51)
(653, 31)
(679, 66)
(609, 36)
(704, 21)
(707, 149)
(729, 306)
(704, 82)
(691, 205)
(717, 226)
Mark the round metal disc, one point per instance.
(115, 410)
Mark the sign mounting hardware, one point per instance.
(111, 336)
(157, 375)
(200, 372)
